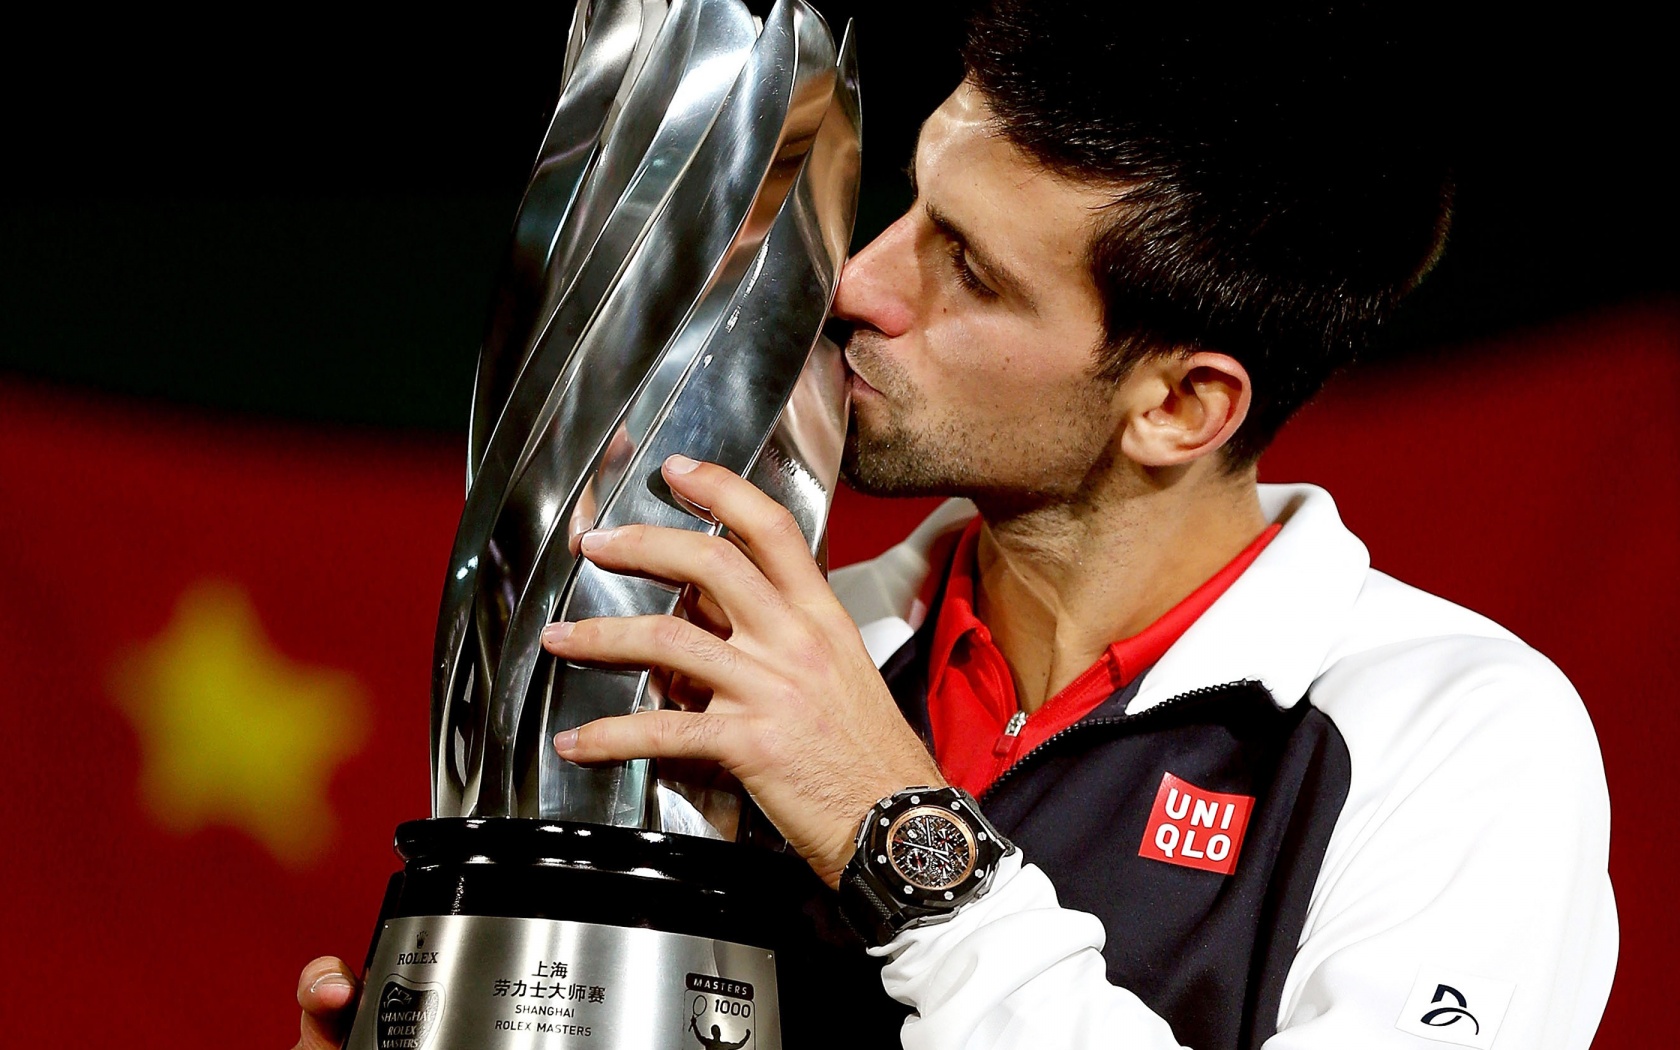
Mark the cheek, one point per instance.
(1008, 368)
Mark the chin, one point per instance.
(883, 467)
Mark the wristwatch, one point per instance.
(922, 853)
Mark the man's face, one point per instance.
(977, 327)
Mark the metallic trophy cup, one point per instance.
(671, 267)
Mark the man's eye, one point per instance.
(966, 276)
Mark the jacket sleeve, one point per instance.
(1015, 970)
(1463, 895)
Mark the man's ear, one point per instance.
(1180, 408)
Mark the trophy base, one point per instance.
(516, 933)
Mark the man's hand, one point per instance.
(326, 990)
(798, 712)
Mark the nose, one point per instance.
(878, 286)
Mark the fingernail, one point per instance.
(595, 539)
(680, 464)
(334, 981)
(555, 633)
(565, 741)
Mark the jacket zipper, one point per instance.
(1003, 748)
(1019, 719)
(1011, 733)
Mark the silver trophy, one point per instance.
(671, 267)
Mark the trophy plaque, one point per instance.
(672, 263)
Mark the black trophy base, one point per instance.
(527, 933)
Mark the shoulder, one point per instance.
(1414, 655)
(1437, 702)
(1474, 834)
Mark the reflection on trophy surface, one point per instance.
(708, 198)
(671, 266)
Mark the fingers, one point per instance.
(651, 734)
(716, 566)
(326, 991)
(770, 533)
(657, 641)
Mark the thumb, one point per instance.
(327, 991)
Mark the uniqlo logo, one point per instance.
(1196, 828)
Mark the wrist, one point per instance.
(830, 863)
(920, 854)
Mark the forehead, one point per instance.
(967, 169)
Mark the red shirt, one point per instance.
(978, 727)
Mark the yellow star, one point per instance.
(234, 733)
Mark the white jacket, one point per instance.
(1463, 897)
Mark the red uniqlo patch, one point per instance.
(1196, 828)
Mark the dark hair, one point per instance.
(1281, 177)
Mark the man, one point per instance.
(1261, 795)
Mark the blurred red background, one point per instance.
(166, 875)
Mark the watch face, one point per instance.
(930, 848)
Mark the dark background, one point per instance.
(303, 217)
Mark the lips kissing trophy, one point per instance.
(672, 263)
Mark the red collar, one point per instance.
(971, 693)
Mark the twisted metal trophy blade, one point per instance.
(593, 77)
(672, 263)
(579, 118)
(742, 372)
(599, 353)
(712, 39)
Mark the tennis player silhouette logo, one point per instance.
(716, 1041)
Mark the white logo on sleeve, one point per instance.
(1456, 1007)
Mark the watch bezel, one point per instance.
(921, 903)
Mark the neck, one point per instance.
(1058, 584)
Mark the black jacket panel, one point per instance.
(1206, 951)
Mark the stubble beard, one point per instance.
(905, 449)
(892, 463)
(892, 459)
(888, 459)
